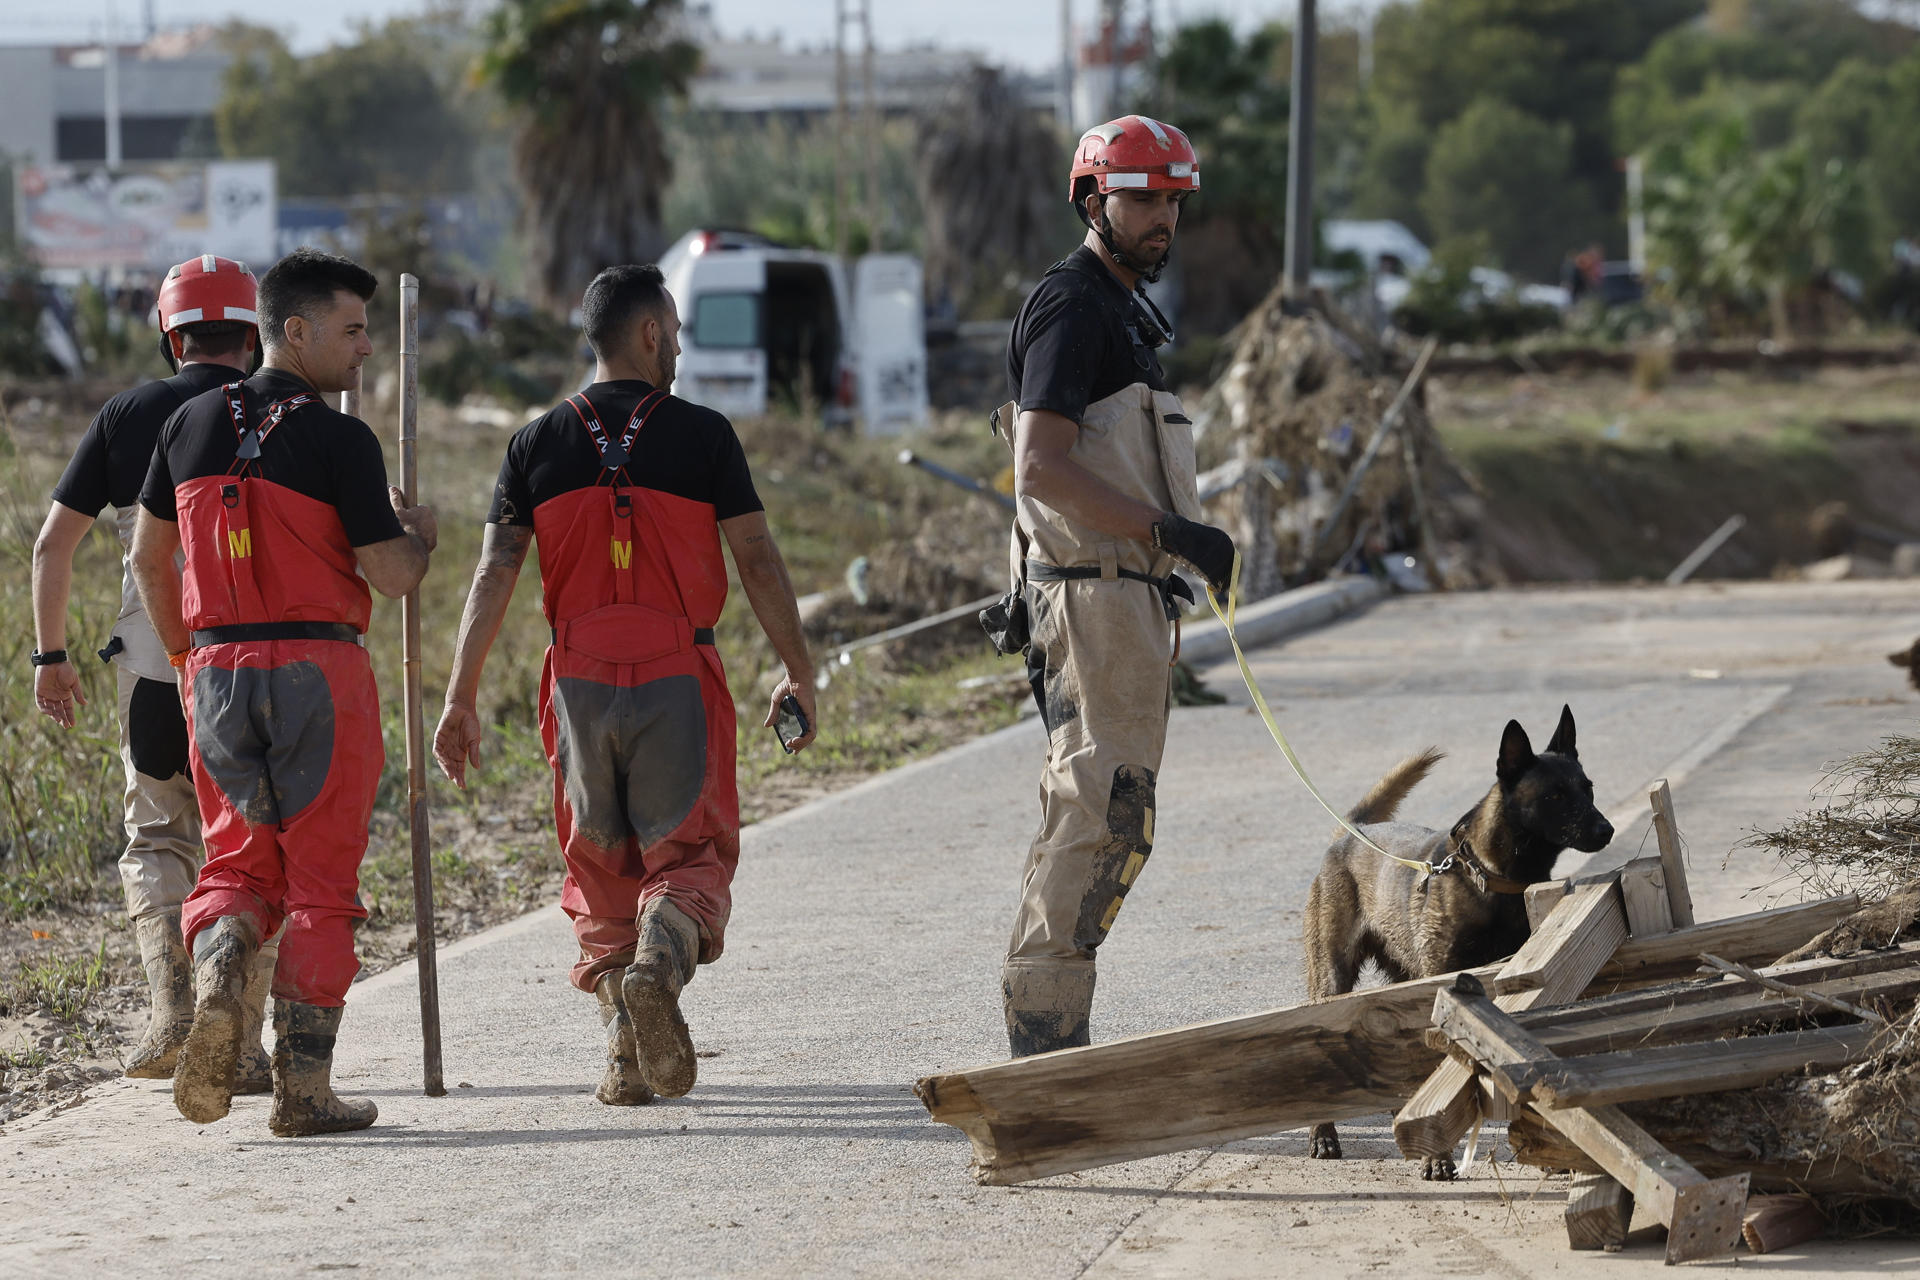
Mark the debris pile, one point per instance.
(1288, 425)
(1668, 1063)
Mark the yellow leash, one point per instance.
(1273, 727)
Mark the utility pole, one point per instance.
(110, 64)
(840, 200)
(872, 123)
(1065, 105)
(1116, 15)
(1300, 154)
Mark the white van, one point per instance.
(763, 324)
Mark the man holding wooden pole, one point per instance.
(630, 492)
(282, 510)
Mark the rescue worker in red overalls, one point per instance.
(208, 334)
(280, 505)
(629, 491)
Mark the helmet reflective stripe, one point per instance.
(1160, 135)
(241, 313)
(1125, 180)
(1106, 132)
(206, 259)
(189, 316)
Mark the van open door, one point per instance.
(890, 343)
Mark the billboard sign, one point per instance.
(147, 216)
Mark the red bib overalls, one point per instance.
(283, 716)
(634, 707)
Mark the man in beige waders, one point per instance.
(1104, 463)
(209, 334)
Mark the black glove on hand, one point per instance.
(1204, 547)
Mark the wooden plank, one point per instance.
(1702, 990)
(1681, 1070)
(1446, 1105)
(1261, 1073)
(1542, 898)
(1489, 1035)
(1734, 1012)
(1780, 1222)
(1702, 1216)
(1643, 893)
(1599, 1211)
(1667, 832)
(1761, 935)
(1578, 937)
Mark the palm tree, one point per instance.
(586, 79)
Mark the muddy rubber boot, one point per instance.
(203, 1078)
(255, 1073)
(650, 989)
(163, 954)
(303, 1098)
(623, 1085)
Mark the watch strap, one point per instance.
(53, 657)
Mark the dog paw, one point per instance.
(1324, 1144)
(1438, 1169)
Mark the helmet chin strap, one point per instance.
(1149, 272)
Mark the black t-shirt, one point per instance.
(1075, 341)
(315, 451)
(684, 449)
(111, 463)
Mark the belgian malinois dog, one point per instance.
(1470, 909)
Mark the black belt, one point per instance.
(701, 635)
(1169, 587)
(254, 631)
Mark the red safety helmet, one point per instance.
(206, 290)
(1137, 152)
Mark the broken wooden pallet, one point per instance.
(1263, 1073)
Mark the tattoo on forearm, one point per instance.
(505, 546)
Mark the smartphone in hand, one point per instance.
(791, 724)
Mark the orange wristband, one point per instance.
(178, 661)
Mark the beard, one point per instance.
(1138, 256)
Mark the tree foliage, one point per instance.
(1486, 157)
(367, 117)
(587, 81)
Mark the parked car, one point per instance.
(764, 322)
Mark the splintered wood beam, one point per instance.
(1198, 1086)
(1599, 1210)
(1782, 1221)
(1575, 941)
(1681, 1070)
(1499, 1045)
(1702, 1215)
(1667, 832)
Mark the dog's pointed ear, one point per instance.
(1562, 741)
(1900, 659)
(1516, 753)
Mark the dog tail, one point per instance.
(1384, 800)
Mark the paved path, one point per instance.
(864, 953)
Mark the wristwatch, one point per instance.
(50, 659)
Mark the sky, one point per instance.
(1019, 32)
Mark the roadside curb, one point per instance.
(1287, 614)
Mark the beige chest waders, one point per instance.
(1101, 648)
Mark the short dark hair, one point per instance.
(303, 282)
(617, 297)
(215, 337)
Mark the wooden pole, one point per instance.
(1672, 860)
(416, 733)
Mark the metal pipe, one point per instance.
(912, 459)
(417, 825)
(1299, 246)
(1715, 540)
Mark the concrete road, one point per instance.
(864, 953)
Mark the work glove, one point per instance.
(1206, 548)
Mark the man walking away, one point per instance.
(1104, 466)
(208, 335)
(629, 491)
(282, 509)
